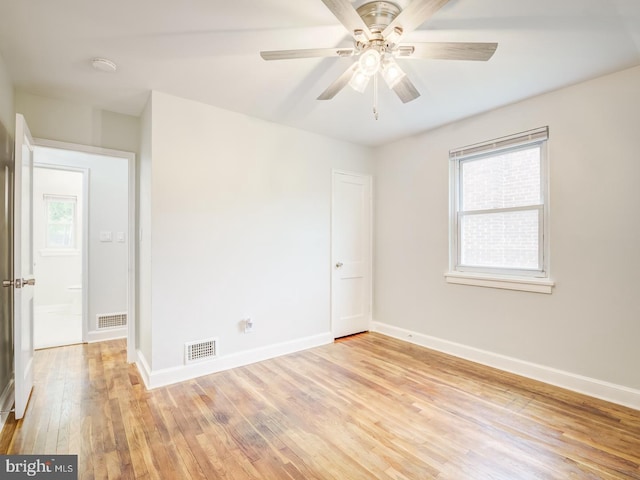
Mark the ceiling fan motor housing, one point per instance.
(378, 15)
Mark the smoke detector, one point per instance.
(104, 65)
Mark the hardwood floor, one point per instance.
(365, 407)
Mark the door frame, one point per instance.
(369, 178)
(85, 233)
(131, 229)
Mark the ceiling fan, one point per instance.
(377, 28)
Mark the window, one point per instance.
(499, 209)
(61, 222)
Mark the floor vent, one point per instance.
(111, 320)
(199, 351)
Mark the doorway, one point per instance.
(111, 204)
(100, 185)
(59, 228)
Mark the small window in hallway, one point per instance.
(61, 221)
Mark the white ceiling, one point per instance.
(207, 50)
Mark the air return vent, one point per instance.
(111, 320)
(201, 350)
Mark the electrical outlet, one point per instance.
(248, 325)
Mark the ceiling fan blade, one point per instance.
(453, 51)
(416, 13)
(406, 90)
(306, 53)
(339, 84)
(347, 15)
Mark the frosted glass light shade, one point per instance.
(369, 62)
(391, 72)
(359, 81)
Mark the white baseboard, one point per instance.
(611, 392)
(106, 334)
(143, 368)
(6, 402)
(167, 376)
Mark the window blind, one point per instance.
(515, 140)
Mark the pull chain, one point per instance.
(375, 96)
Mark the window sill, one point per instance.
(524, 284)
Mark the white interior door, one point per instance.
(23, 266)
(351, 254)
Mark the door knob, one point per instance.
(339, 264)
(19, 283)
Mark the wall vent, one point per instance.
(201, 350)
(111, 320)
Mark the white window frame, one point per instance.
(534, 280)
(49, 198)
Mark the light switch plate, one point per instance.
(105, 236)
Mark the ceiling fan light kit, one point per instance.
(391, 72)
(359, 81)
(377, 28)
(369, 62)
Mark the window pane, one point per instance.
(61, 219)
(60, 211)
(510, 179)
(500, 240)
(59, 236)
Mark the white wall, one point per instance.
(7, 110)
(240, 217)
(65, 121)
(108, 211)
(55, 272)
(590, 324)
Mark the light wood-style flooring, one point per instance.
(367, 407)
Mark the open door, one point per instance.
(23, 266)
